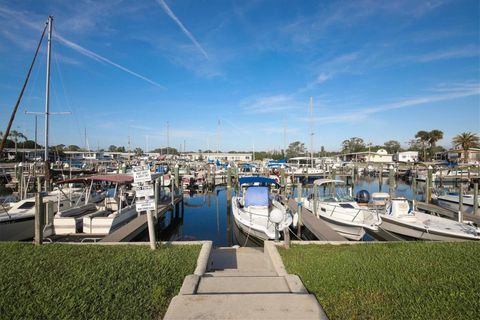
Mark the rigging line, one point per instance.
(12, 117)
(66, 96)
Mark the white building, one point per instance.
(381, 156)
(406, 156)
(221, 156)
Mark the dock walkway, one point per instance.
(244, 283)
(137, 225)
(316, 226)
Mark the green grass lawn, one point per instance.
(91, 281)
(412, 280)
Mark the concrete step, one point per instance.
(245, 306)
(242, 285)
(241, 273)
(238, 258)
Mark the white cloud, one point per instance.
(359, 115)
(270, 104)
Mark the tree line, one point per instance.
(425, 142)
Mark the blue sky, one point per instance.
(379, 70)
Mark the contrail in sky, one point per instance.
(92, 55)
(180, 24)
(97, 57)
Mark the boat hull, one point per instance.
(416, 232)
(256, 225)
(18, 229)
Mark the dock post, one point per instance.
(460, 204)
(315, 202)
(177, 176)
(156, 190)
(428, 191)
(414, 187)
(299, 209)
(39, 185)
(475, 198)
(277, 236)
(282, 176)
(229, 178)
(286, 237)
(151, 229)
(39, 218)
(391, 182)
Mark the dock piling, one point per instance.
(460, 204)
(428, 191)
(391, 182)
(475, 198)
(39, 218)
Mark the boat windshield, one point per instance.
(339, 194)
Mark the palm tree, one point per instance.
(466, 140)
(17, 135)
(434, 136)
(424, 137)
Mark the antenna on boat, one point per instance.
(218, 136)
(168, 137)
(285, 138)
(311, 131)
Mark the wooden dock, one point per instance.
(138, 225)
(316, 226)
(434, 209)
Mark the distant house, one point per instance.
(381, 156)
(406, 156)
(458, 155)
(222, 156)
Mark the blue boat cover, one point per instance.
(252, 180)
(256, 196)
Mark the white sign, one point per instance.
(145, 205)
(141, 174)
(144, 191)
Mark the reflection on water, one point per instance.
(207, 215)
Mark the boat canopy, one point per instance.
(115, 178)
(247, 166)
(319, 182)
(252, 180)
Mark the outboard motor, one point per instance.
(362, 196)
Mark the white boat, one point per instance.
(256, 211)
(451, 201)
(102, 217)
(334, 205)
(399, 219)
(19, 221)
(446, 175)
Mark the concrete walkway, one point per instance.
(244, 283)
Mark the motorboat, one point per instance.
(451, 201)
(102, 217)
(256, 209)
(333, 203)
(18, 222)
(398, 218)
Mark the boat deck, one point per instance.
(319, 228)
(137, 225)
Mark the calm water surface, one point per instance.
(208, 216)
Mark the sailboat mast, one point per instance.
(47, 89)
